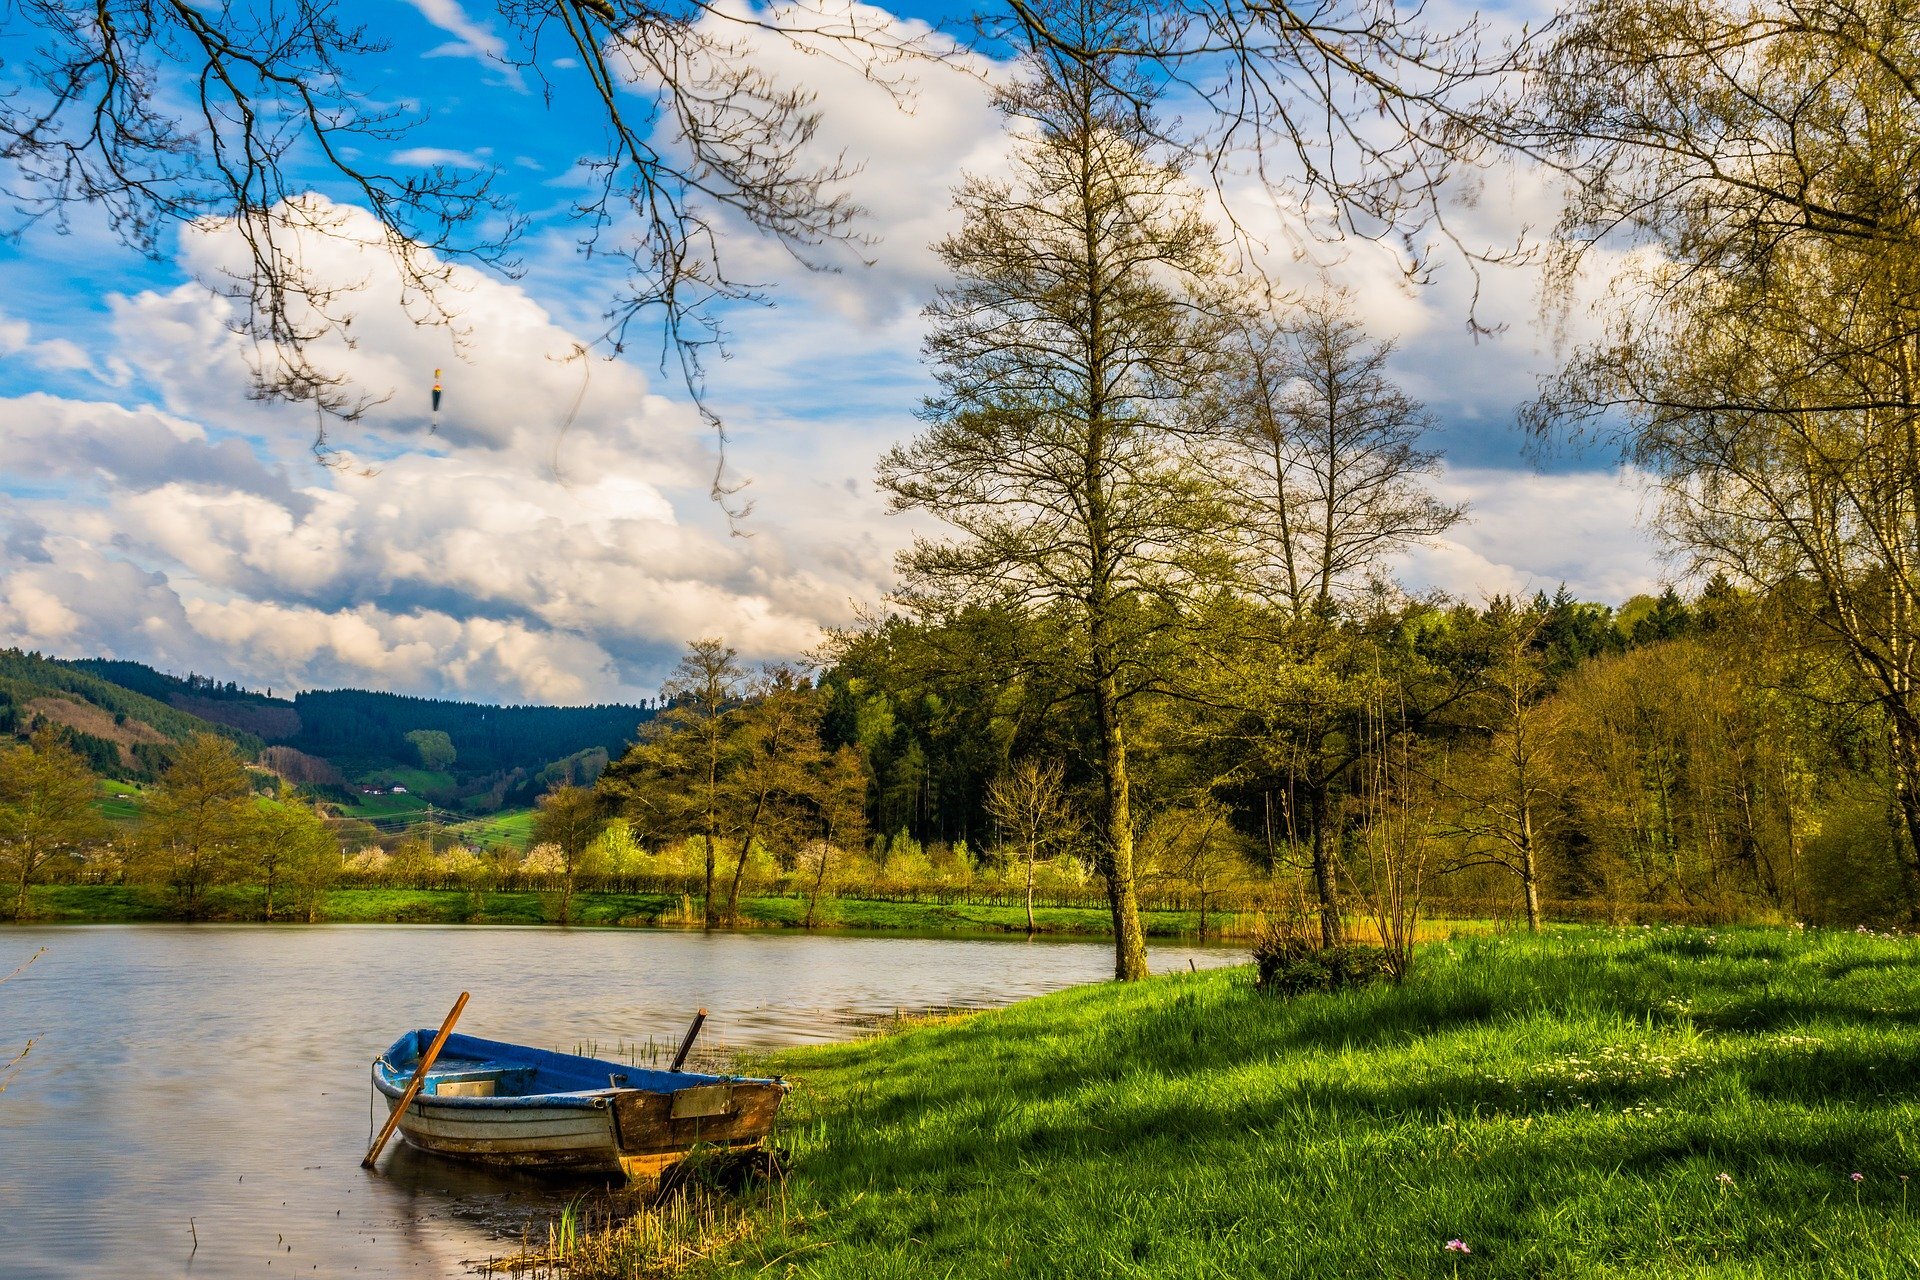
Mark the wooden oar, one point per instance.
(686, 1045)
(413, 1085)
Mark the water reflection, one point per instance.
(197, 1100)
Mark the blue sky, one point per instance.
(152, 511)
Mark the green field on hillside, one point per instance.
(514, 827)
(419, 782)
(120, 802)
(386, 806)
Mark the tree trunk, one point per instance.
(706, 900)
(819, 879)
(1030, 853)
(1330, 930)
(740, 863)
(1529, 868)
(1129, 943)
(1906, 786)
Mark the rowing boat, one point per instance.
(514, 1106)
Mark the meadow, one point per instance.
(1631, 1102)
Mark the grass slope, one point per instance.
(116, 810)
(513, 827)
(1636, 1103)
(386, 806)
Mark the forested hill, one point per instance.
(357, 731)
(264, 716)
(354, 725)
(122, 730)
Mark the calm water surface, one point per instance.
(214, 1079)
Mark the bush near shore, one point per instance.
(1641, 1102)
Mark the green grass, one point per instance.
(1566, 1105)
(514, 827)
(416, 781)
(113, 808)
(388, 806)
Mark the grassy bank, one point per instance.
(104, 904)
(1661, 1102)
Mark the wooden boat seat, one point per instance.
(481, 1083)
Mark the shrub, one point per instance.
(1290, 963)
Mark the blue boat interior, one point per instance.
(469, 1067)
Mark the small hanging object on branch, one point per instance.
(436, 403)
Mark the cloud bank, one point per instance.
(551, 539)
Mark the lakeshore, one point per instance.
(128, 904)
(1639, 1102)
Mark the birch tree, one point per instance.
(1762, 359)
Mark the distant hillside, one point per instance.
(500, 755)
(268, 718)
(123, 733)
(350, 725)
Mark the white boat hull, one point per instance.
(567, 1137)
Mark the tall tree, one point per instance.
(672, 781)
(1762, 359)
(775, 791)
(46, 808)
(1079, 316)
(569, 819)
(287, 843)
(1330, 476)
(197, 822)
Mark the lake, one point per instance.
(197, 1099)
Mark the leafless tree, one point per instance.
(1030, 804)
(1325, 452)
(1356, 116)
